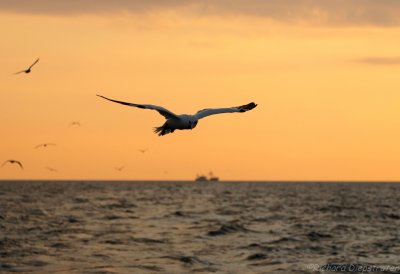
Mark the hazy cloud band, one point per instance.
(380, 61)
(332, 12)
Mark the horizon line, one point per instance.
(215, 182)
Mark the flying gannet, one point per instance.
(13, 162)
(45, 145)
(183, 121)
(28, 70)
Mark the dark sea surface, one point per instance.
(186, 227)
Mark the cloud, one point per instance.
(325, 12)
(383, 61)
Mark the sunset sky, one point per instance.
(325, 76)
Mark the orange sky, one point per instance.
(327, 93)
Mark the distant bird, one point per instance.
(13, 162)
(75, 124)
(51, 169)
(183, 121)
(45, 145)
(28, 70)
(143, 150)
(119, 168)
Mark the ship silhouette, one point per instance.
(204, 178)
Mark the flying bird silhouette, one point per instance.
(13, 162)
(45, 145)
(143, 150)
(119, 168)
(183, 121)
(28, 70)
(75, 124)
(51, 169)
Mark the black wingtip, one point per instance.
(101, 96)
(247, 107)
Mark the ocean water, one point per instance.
(187, 227)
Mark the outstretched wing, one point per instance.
(20, 71)
(211, 111)
(37, 60)
(19, 163)
(164, 112)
